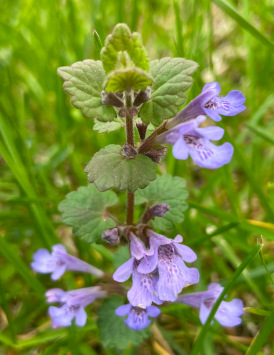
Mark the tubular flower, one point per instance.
(59, 261)
(189, 139)
(209, 103)
(228, 314)
(72, 305)
(137, 317)
(143, 290)
(168, 260)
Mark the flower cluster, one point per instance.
(72, 303)
(188, 138)
(158, 274)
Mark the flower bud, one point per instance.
(159, 210)
(111, 236)
(141, 97)
(111, 99)
(142, 129)
(129, 151)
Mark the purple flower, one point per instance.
(228, 313)
(59, 261)
(72, 305)
(143, 290)
(137, 317)
(209, 103)
(168, 260)
(189, 139)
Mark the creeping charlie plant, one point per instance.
(125, 89)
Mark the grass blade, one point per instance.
(199, 342)
(230, 11)
(262, 335)
(10, 254)
(262, 133)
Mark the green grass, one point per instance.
(45, 144)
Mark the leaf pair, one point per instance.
(86, 209)
(124, 67)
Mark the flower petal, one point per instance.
(55, 295)
(123, 310)
(58, 272)
(180, 149)
(214, 286)
(137, 248)
(234, 307)
(208, 155)
(81, 317)
(231, 104)
(142, 290)
(204, 313)
(153, 311)
(148, 264)
(137, 319)
(213, 133)
(61, 317)
(43, 261)
(212, 114)
(60, 248)
(124, 271)
(186, 253)
(178, 239)
(215, 86)
(172, 276)
(227, 315)
(192, 275)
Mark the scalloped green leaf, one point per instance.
(166, 189)
(172, 77)
(112, 126)
(85, 211)
(128, 79)
(113, 330)
(122, 40)
(109, 168)
(84, 82)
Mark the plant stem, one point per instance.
(130, 207)
(130, 140)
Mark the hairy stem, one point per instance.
(130, 140)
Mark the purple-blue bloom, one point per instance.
(209, 103)
(143, 290)
(228, 314)
(72, 305)
(137, 317)
(59, 261)
(190, 139)
(168, 260)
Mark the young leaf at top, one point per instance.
(172, 77)
(112, 126)
(84, 82)
(128, 79)
(109, 168)
(113, 331)
(166, 189)
(122, 40)
(85, 211)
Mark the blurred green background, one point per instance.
(45, 143)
